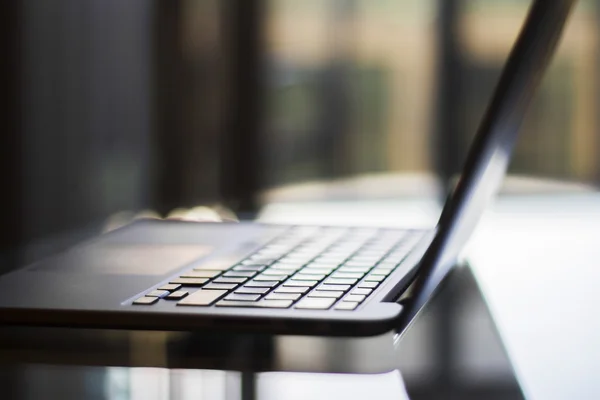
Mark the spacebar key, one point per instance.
(203, 297)
(258, 304)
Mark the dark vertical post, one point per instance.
(447, 152)
(11, 228)
(241, 163)
(447, 156)
(167, 107)
(249, 389)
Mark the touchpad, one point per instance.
(126, 258)
(158, 248)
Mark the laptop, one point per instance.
(276, 279)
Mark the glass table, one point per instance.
(452, 351)
(534, 259)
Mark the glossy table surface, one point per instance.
(536, 260)
(452, 350)
(534, 257)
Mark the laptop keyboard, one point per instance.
(304, 268)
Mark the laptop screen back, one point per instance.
(491, 150)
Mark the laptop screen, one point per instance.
(491, 150)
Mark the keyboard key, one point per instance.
(329, 260)
(256, 268)
(368, 285)
(267, 278)
(202, 297)
(282, 271)
(317, 271)
(396, 259)
(344, 275)
(381, 247)
(292, 282)
(377, 254)
(287, 266)
(276, 272)
(259, 258)
(295, 289)
(301, 252)
(145, 301)
(362, 264)
(257, 304)
(309, 247)
(252, 290)
(340, 251)
(374, 278)
(158, 293)
(230, 280)
(243, 297)
(200, 274)
(334, 281)
(326, 293)
(189, 281)
(283, 296)
(334, 287)
(330, 256)
(178, 295)
(307, 277)
(239, 274)
(315, 303)
(220, 286)
(170, 287)
(306, 253)
(344, 268)
(328, 265)
(300, 259)
(259, 261)
(365, 259)
(363, 291)
(355, 298)
(346, 247)
(267, 284)
(381, 271)
(281, 245)
(346, 305)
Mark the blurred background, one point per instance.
(113, 108)
(118, 106)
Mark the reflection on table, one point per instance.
(452, 351)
